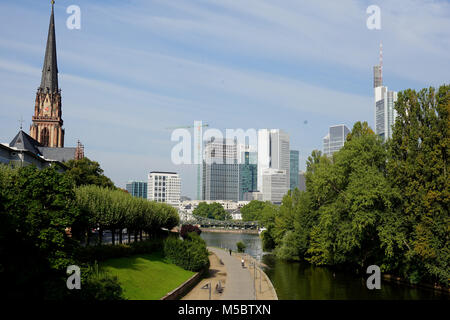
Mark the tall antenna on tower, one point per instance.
(381, 61)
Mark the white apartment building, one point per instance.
(274, 185)
(273, 153)
(164, 187)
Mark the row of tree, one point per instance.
(116, 210)
(373, 202)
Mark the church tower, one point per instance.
(47, 123)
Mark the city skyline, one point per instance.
(109, 100)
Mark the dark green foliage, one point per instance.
(188, 228)
(418, 167)
(190, 254)
(374, 202)
(240, 246)
(105, 252)
(253, 210)
(114, 210)
(42, 218)
(211, 211)
(36, 207)
(87, 172)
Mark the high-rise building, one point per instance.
(164, 187)
(273, 185)
(273, 153)
(137, 189)
(247, 175)
(302, 181)
(220, 170)
(385, 112)
(335, 139)
(293, 169)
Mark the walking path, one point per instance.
(239, 285)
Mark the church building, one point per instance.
(45, 144)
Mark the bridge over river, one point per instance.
(203, 222)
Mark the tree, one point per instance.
(188, 228)
(353, 197)
(418, 166)
(211, 211)
(86, 172)
(37, 210)
(253, 210)
(240, 246)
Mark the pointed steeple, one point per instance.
(50, 69)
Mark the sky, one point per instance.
(138, 67)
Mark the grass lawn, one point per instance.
(147, 276)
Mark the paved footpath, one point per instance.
(239, 283)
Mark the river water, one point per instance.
(303, 281)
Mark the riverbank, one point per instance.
(217, 274)
(220, 230)
(237, 283)
(429, 286)
(264, 288)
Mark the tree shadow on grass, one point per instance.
(133, 262)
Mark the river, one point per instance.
(303, 281)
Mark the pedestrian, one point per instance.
(242, 262)
(230, 252)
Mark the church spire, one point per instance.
(49, 79)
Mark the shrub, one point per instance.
(188, 228)
(190, 254)
(240, 246)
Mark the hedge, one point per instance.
(190, 254)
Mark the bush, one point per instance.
(188, 228)
(97, 285)
(240, 246)
(189, 254)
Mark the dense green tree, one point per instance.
(252, 211)
(113, 210)
(36, 212)
(86, 172)
(211, 211)
(418, 166)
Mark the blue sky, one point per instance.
(137, 67)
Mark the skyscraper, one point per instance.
(273, 152)
(385, 112)
(220, 170)
(247, 175)
(137, 189)
(293, 169)
(335, 139)
(302, 181)
(274, 185)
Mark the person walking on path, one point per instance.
(230, 252)
(239, 282)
